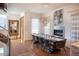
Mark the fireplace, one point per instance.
(58, 33)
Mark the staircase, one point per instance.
(4, 38)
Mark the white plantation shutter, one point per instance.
(35, 25)
(75, 27)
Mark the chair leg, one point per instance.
(65, 51)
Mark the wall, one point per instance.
(47, 18)
(13, 16)
(42, 19)
(27, 24)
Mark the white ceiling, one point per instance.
(19, 8)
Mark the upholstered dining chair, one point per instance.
(60, 45)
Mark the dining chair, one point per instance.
(60, 45)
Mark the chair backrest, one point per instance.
(46, 42)
(60, 44)
(37, 38)
(41, 40)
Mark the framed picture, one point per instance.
(58, 17)
(13, 27)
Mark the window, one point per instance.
(75, 27)
(35, 26)
(47, 29)
(3, 21)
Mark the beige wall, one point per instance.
(47, 18)
(27, 24)
(42, 19)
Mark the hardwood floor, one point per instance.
(26, 48)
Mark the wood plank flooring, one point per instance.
(26, 48)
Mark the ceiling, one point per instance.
(41, 8)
